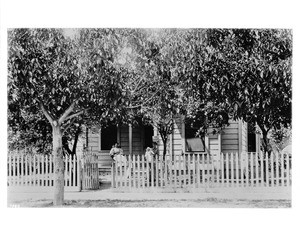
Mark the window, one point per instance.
(193, 143)
(251, 142)
(108, 137)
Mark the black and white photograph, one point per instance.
(138, 113)
(121, 117)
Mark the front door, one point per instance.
(148, 133)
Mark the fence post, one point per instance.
(78, 165)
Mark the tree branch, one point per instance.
(66, 113)
(144, 102)
(46, 113)
(68, 126)
(75, 114)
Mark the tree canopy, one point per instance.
(59, 83)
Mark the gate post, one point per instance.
(112, 175)
(79, 184)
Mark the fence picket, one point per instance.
(232, 169)
(70, 170)
(9, 172)
(74, 171)
(152, 171)
(198, 170)
(143, 172)
(184, 172)
(237, 170)
(247, 170)
(139, 170)
(24, 163)
(272, 170)
(129, 171)
(277, 169)
(42, 175)
(165, 171)
(267, 169)
(217, 169)
(282, 169)
(222, 169)
(22, 175)
(169, 172)
(187, 171)
(251, 169)
(148, 172)
(261, 170)
(227, 169)
(256, 169)
(156, 171)
(17, 157)
(288, 182)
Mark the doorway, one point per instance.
(148, 133)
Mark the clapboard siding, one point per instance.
(93, 139)
(177, 147)
(229, 148)
(214, 146)
(230, 137)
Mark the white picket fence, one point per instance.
(247, 170)
(28, 171)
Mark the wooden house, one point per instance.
(135, 139)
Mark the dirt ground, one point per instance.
(206, 203)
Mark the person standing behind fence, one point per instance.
(116, 151)
(149, 155)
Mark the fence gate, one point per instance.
(90, 172)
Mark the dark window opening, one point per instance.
(148, 132)
(108, 137)
(193, 143)
(251, 142)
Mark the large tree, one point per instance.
(63, 78)
(154, 91)
(257, 78)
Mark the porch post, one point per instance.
(130, 139)
(154, 130)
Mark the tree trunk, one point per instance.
(165, 149)
(76, 140)
(58, 166)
